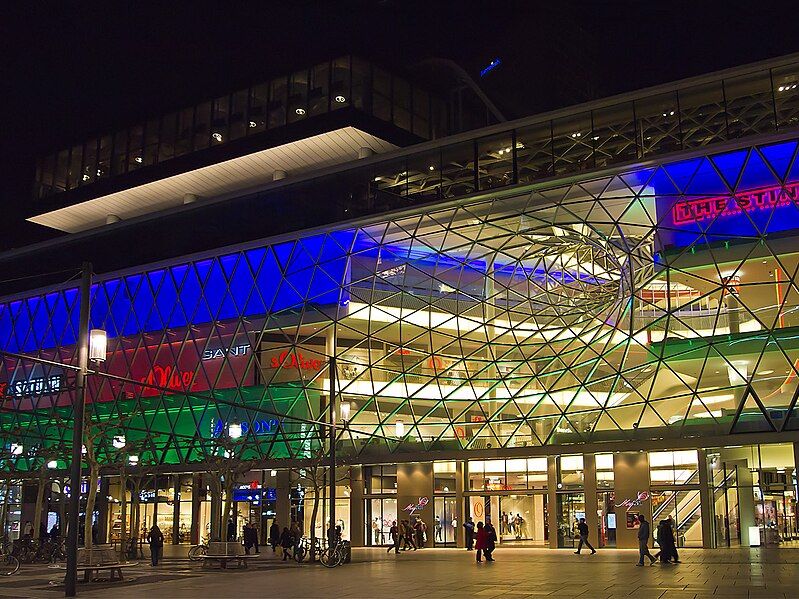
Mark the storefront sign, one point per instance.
(706, 209)
(43, 385)
(167, 377)
(295, 360)
(628, 504)
(417, 507)
(260, 427)
(221, 352)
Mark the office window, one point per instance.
(135, 147)
(219, 120)
(238, 114)
(340, 83)
(259, 98)
(318, 92)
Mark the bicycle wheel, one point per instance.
(328, 558)
(197, 552)
(8, 565)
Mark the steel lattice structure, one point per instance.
(650, 302)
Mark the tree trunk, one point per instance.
(4, 510)
(136, 511)
(226, 512)
(91, 496)
(314, 513)
(216, 512)
(37, 517)
(123, 514)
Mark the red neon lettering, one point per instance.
(167, 377)
(703, 209)
(295, 360)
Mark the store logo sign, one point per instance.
(628, 504)
(167, 377)
(221, 352)
(411, 508)
(43, 385)
(705, 209)
(295, 360)
(259, 428)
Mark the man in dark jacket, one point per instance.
(274, 535)
(491, 541)
(394, 533)
(583, 528)
(643, 541)
(468, 529)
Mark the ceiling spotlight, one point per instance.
(253, 124)
(138, 159)
(217, 136)
(300, 111)
(340, 99)
(86, 177)
(431, 167)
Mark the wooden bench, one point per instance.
(226, 552)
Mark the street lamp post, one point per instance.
(332, 481)
(79, 405)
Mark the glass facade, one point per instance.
(324, 88)
(490, 337)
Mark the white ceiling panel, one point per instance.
(238, 174)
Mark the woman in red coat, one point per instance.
(482, 541)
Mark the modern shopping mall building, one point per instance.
(590, 312)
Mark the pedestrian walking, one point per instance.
(296, 534)
(156, 540)
(250, 536)
(420, 528)
(666, 542)
(492, 540)
(395, 538)
(231, 530)
(286, 542)
(482, 543)
(274, 536)
(643, 541)
(582, 528)
(468, 529)
(407, 536)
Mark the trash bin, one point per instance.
(347, 552)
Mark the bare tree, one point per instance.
(224, 469)
(314, 476)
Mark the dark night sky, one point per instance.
(77, 68)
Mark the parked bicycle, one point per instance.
(197, 552)
(9, 564)
(334, 555)
(303, 549)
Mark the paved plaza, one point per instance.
(517, 573)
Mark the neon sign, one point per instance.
(295, 360)
(639, 499)
(43, 385)
(417, 507)
(259, 427)
(704, 209)
(167, 377)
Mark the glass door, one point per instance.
(444, 521)
(571, 507)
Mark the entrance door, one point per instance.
(444, 521)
